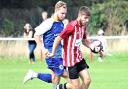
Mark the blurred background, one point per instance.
(109, 15)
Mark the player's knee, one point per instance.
(76, 86)
(70, 86)
(55, 79)
(87, 81)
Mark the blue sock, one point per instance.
(45, 77)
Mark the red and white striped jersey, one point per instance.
(72, 37)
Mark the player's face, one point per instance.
(61, 13)
(84, 19)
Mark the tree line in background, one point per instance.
(110, 15)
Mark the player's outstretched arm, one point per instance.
(96, 46)
(55, 45)
(88, 44)
(38, 40)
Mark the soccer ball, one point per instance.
(98, 47)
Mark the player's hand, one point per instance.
(46, 52)
(50, 55)
(102, 53)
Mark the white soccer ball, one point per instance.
(97, 46)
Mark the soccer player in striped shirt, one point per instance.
(73, 35)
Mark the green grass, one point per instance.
(112, 73)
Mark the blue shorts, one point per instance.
(56, 65)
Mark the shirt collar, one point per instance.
(55, 18)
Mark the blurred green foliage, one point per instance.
(110, 15)
(8, 27)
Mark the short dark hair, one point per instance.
(85, 9)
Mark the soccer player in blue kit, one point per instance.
(45, 34)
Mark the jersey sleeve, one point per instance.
(67, 31)
(44, 27)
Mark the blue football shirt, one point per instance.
(50, 29)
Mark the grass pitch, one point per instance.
(112, 73)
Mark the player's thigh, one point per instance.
(74, 76)
(65, 75)
(85, 76)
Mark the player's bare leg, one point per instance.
(70, 86)
(101, 56)
(75, 83)
(65, 76)
(84, 74)
(55, 79)
(67, 85)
